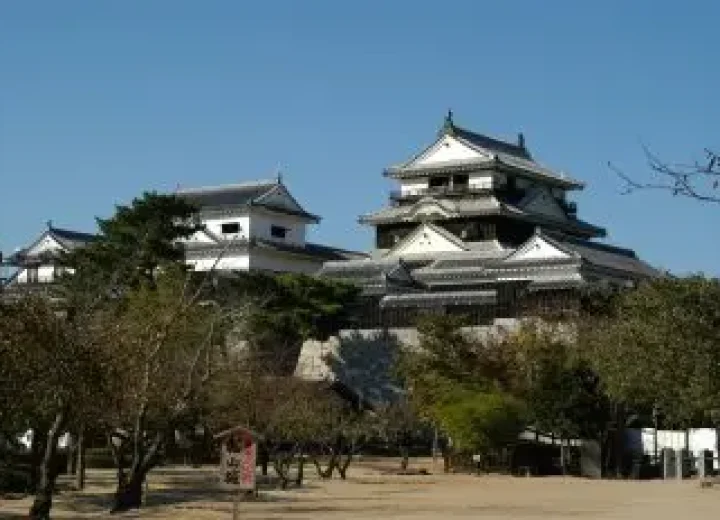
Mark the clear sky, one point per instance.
(102, 100)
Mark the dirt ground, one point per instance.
(181, 493)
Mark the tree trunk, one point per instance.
(36, 455)
(264, 457)
(301, 469)
(80, 460)
(328, 471)
(70, 460)
(343, 466)
(716, 468)
(47, 472)
(129, 493)
(619, 440)
(280, 469)
(446, 459)
(405, 461)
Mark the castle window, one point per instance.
(278, 231)
(230, 228)
(438, 182)
(460, 181)
(33, 275)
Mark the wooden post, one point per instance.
(80, 459)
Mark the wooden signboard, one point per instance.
(239, 455)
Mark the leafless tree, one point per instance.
(699, 180)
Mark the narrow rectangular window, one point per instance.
(438, 182)
(230, 228)
(461, 181)
(278, 231)
(33, 275)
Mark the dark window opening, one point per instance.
(33, 275)
(461, 181)
(230, 228)
(438, 182)
(278, 231)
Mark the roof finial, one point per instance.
(278, 175)
(448, 125)
(521, 140)
(49, 224)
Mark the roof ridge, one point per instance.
(447, 234)
(223, 187)
(478, 139)
(589, 243)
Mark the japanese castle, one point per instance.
(479, 228)
(256, 226)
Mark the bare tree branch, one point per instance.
(699, 180)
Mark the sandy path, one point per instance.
(185, 494)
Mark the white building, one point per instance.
(35, 266)
(255, 226)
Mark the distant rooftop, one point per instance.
(228, 194)
(517, 149)
(252, 193)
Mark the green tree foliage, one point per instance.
(479, 422)
(562, 392)
(162, 343)
(463, 385)
(131, 245)
(113, 304)
(48, 378)
(277, 313)
(661, 348)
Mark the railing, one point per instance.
(437, 191)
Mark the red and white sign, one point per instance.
(239, 453)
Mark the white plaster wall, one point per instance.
(47, 244)
(537, 249)
(448, 149)
(214, 225)
(46, 273)
(237, 262)
(412, 186)
(480, 181)
(697, 440)
(426, 240)
(260, 223)
(278, 262)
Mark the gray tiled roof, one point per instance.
(537, 169)
(71, 239)
(384, 272)
(67, 238)
(490, 143)
(606, 256)
(196, 250)
(231, 195)
(479, 206)
(235, 196)
(443, 298)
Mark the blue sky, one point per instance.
(102, 100)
